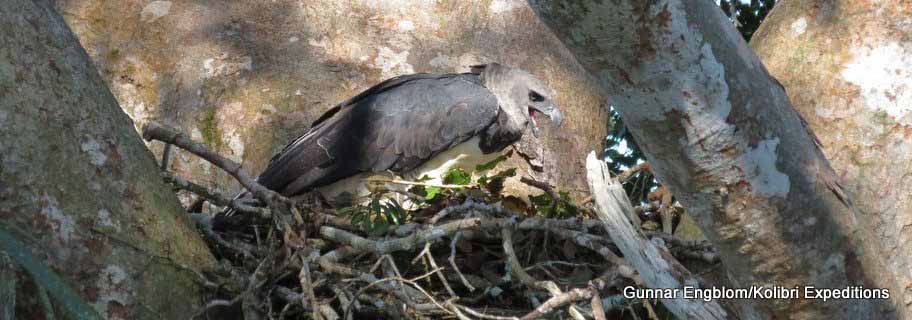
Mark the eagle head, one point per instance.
(519, 94)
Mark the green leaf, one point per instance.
(507, 173)
(375, 205)
(545, 206)
(491, 164)
(348, 211)
(541, 203)
(494, 184)
(431, 192)
(379, 228)
(457, 176)
(393, 212)
(358, 219)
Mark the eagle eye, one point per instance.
(535, 97)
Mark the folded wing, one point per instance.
(396, 125)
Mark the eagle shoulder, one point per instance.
(395, 126)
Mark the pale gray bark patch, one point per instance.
(93, 149)
(884, 76)
(849, 74)
(723, 137)
(799, 26)
(155, 10)
(113, 284)
(759, 165)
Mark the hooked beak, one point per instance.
(551, 111)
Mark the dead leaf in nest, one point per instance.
(512, 203)
(292, 239)
(688, 229)
(650, 225)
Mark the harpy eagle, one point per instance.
(411, 126)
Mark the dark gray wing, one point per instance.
(395, 125)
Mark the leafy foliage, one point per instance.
(377, 217)
(458, 177)
(748, 15)
(431, 192)
(491, 164)
(382, 213)
(639, 184)
(545, 206)
(494, 184)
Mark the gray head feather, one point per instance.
(519, 94)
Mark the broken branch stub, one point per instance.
(656, 266)
(154, 131)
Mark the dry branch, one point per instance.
(452, 260)
(654, 263)
(574, 295)
(521, 274)
(401, 244)
(598, 309)
(516, 268)
(702, 250)
(215, 197)
(623, 176)
(307, 287)
(154, 131)
(397, 294)
(433, 234)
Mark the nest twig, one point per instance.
(323, 266)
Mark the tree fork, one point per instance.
(722, 136)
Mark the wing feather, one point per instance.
(395, 125)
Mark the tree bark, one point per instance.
(247, 77)
(79, 188)
(723, 137)
(653, 262)
(847, 67)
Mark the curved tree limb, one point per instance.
(723, 137)
(154, 131)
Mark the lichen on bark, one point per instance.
(78, 184)
(720, 133)
(847, 69)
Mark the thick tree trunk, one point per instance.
(721, 134)
(246, 77)
(77, 185)
(847, 67)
